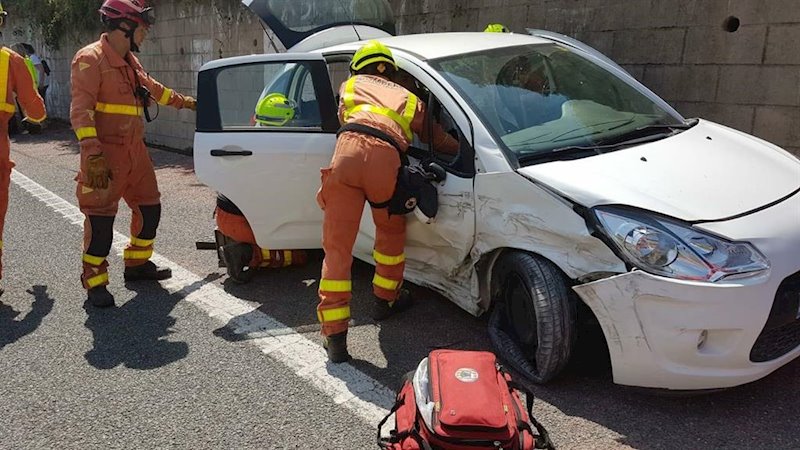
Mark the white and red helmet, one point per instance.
(134, 10)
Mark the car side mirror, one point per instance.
(435, 171)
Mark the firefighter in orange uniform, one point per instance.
(380, 118)
(243, 255)
(110, 92)
(14, 79)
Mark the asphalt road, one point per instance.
(199, 362)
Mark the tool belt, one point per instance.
(413, 188)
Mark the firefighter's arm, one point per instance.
(164, 95)
(28, 97)
(440, 140)
(85, 80)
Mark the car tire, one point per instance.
(533, 322)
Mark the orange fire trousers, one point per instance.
(363, 168)
(134, 180)
(237, 228)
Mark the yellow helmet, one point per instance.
(3, 15)
(274, 110)
(371, 52)
(496, 28)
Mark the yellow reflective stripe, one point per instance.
(1, 245)
(335, 285)
(86, 132)
(136, 242)
(5, 58)
(404, 121)
(6, 107)
(385, 283)
(390, 113)
(93, 260)
(387, 260)
(334, 314)
(287, 258)
(126, 110)
(138, 254)
(349, 96)
(34, 120)
(165, 96)
(411, 108)
(97, 280)
(265, 254)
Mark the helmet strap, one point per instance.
(115, 24)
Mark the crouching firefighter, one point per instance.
(379, 120)
(110, 93)
(240, 252)
(15, 80)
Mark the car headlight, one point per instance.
(676, 250)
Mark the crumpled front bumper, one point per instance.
(675, 334)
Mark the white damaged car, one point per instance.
(574, 185)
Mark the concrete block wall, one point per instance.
(748, 79)
(187, 34)
(684, 50)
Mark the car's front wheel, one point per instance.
(533, 324)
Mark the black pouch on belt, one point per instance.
(413, 188)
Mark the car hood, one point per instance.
(706, 173)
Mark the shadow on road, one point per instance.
(12, 330)
(759, 415)
(135, 334)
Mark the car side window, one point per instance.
(267, 95)
(450, 147)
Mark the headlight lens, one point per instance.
(676, 250)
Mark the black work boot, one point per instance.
(100, 297)
(147, 271)
(336, 345)
(382, 310)
(237, 261)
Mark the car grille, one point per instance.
(781, 334)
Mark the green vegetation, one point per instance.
(54, 20)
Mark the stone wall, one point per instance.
(732, 61)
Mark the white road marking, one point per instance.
(346, 385)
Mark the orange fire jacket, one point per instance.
(105, 107)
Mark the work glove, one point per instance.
(190, 103)
(97, 172)
(31, 126)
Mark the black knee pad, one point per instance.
(102, 235)
(151, 215)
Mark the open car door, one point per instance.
(303, 25)
(270, 171)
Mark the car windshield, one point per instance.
(541, 98)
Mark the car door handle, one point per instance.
(220, 152)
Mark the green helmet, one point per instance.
(274, 110)
(369, 53)
(496, 28)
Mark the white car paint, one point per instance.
(705, 173)
(652, 323)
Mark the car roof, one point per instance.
(438, 45)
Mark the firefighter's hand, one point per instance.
(97, 172)
(190, 103)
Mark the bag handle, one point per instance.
(395, 437)
(543, 437)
